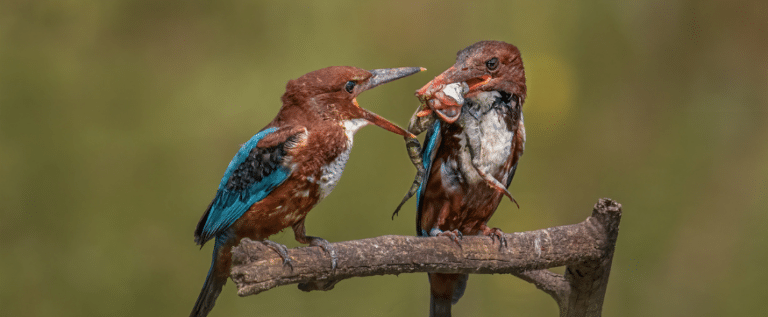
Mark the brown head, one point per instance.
(330, 94)
(483, 66)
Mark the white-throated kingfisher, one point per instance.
(288, 167)
(472, 113)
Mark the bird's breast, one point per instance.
(330, 173)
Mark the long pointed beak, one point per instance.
(438, 81)
(385, 75)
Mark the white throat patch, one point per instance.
(332, 171)
(351, 126)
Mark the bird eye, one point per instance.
(492, 63)
(349, 86)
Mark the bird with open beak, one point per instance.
(472, 113)
(283, 171)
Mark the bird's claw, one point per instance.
(455, 235)
(495, 234)
(281, 250)
(320, 242)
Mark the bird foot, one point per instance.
(320, 242)
(455, 235)
(495, 234)
(281, 250)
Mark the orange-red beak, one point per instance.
(475, 83)
(448, 108)
(433, 94)
(384, 123)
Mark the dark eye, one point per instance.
(349, 86)
(492, 63)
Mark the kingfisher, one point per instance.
(472, 113)
(288, 167)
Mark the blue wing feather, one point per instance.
(242, 154)
(231, 203)
(427, 154)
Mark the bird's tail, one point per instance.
(446, 290)
(214, 282)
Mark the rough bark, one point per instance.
(586, 249)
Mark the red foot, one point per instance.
(495, 234)
(455, 235)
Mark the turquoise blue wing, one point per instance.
(431, 142)
(251, 175)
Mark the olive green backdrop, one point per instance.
(118, 118)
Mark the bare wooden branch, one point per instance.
(586, 249)
(551, 283)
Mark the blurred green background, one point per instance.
(117, 119)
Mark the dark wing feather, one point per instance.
(511, 174)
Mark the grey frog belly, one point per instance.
(492, 138)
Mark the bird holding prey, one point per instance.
(472, 114)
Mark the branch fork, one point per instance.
(586, 249)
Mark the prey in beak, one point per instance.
(486, 66)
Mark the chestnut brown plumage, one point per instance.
(288, 167)
(472, 113)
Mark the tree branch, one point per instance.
(586, 249)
